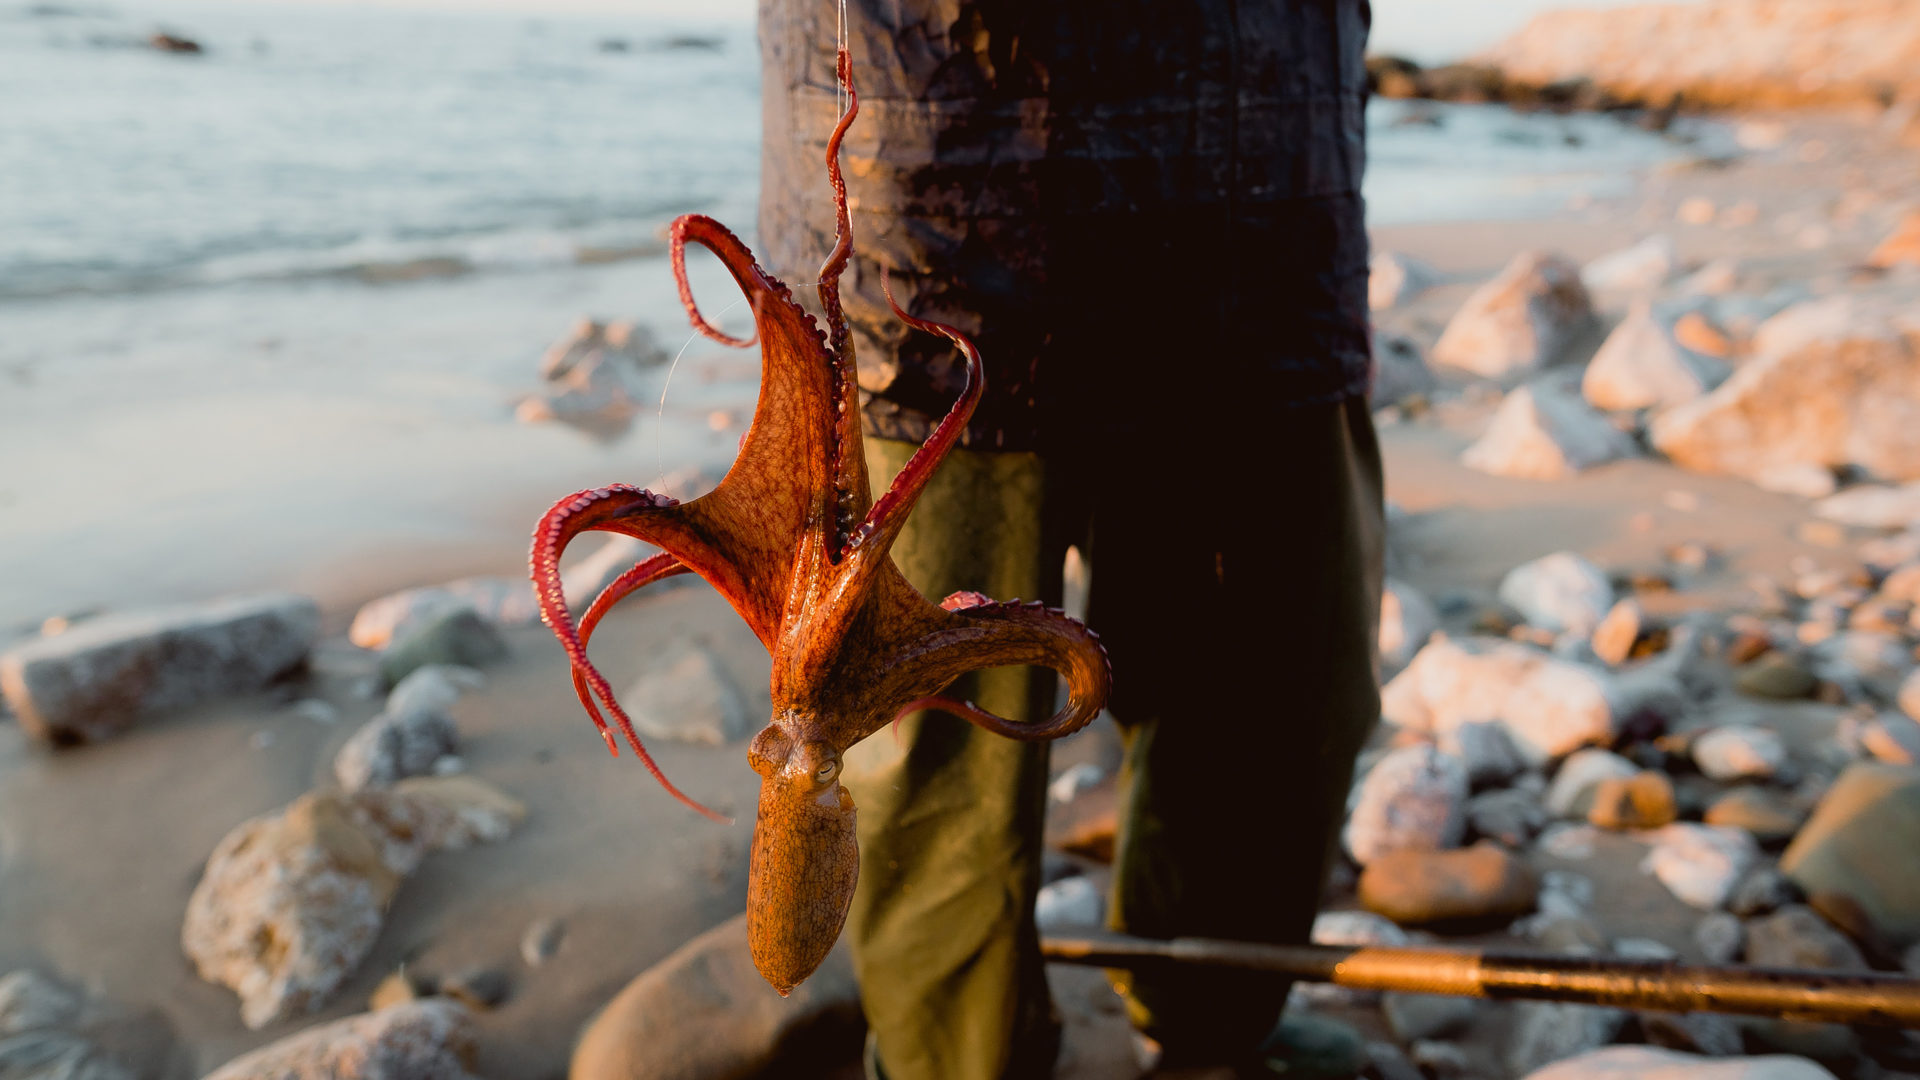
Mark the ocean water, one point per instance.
(279, 297)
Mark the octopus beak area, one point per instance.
(805, 858)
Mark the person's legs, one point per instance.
(1241, 616)
(950, 815)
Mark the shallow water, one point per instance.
(266, 309)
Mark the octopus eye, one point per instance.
(826, 772)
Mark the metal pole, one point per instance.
(1882, 1000)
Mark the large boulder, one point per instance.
(290, 902)
(103, 674)
(433, 1039)
(1833, 382)
(1642, 365)
(1550, 707)
(704, 1013)
(1521, 321)
(1860, 843)
(1545, 431)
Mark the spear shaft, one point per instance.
(1840, 997)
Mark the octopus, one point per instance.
(794, 540)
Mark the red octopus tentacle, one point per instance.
(713, 236)
(1003, 635)
(602, 508)
(889, 513)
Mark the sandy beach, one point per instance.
(324, 466)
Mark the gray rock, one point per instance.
(480, 988)
(1850, 356)
(1393, 279)
(1414, 798)
(591, 377)
(1407, 620)
(1874, 506)
(1797, 937)
(1860, 844)
(1486, 750)
(1399, 371)
(1412, 1017)
(1654, 1063)
(1441, 1059)
(419, 1040)
(497, 600)
(1640, 268)
(1738, 751)
(1697, 1033)
(1548, 1031)
(1519, 322)
(1909, 695)
(1073, 901)
(1510, 816)
(704, 1012)
(1546, 431)
(1770, 817)
(393, 746)
(1893, 738)
(1642, 366)
(434, 688)
(1776, 676)
(51, 1032)
(459, 637)
(1562, 592)
(1721, 937)
(1864, 662)
(1572, 790)
(686, 695)
(1701, 864)
(1764, 889)
(290, 902)
(101, 676)
(1550, 707)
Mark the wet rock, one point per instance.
(290, 902)
(1549, 707)
(1480, 885)
(419, 1040)
(1764, 889)
(1642, 801)
(1393, 279)
(1519, 322)
(1070, 902)
(1613, 639)
(1399, 372)
(1893, 738)
(1562, 592)
(1509, 816)
(1738, 751)
(1901, 247)
(1407, 620)
(1486, 750)
(591, 377)
(1768, 816)
(1873, 506)
(1413, 799)
(1797, 937)
(1778, 676)
(1412, 1017)
(459, 637)
(393, 746)
(1721, 938)
(1641, 365)
(100, 676)
(1700, 864)
(1548, 1031)
(497, 600)
(541, 941)
(1831, 383)
(705, 1013)
(1571, 795)
(1654, 1063)
(1545, 431)
(686, 695)
(1860, 843)
(1638, 269)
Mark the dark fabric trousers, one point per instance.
(1236, 584)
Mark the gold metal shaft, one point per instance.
(1841, 997)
